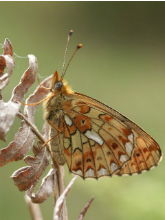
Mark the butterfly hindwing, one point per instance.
(98, 141)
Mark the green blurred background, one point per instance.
(122, 63)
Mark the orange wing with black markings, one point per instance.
(99, 141)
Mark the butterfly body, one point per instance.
(94, 139)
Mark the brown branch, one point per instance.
(84, 210)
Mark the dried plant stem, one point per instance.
(59, 188)
(34, 129)
(59, 175)
(34, 209)
(62, 200)
(84, 210)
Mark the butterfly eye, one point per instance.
(58, 85)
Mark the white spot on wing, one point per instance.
(68, 120)
(129, 147)
(123, 158)
(89, 173)
(78, 172)
(113, 167)
(102, 172)
(94, 136)
(130, 137)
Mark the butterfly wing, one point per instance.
(98, 141)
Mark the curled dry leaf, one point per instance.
(61, 199)
(37, 96)
(16, 150)
(25, 137)
(9, 110)
(6, 61)
(26, 81)
(47, 186)
(10, 64)
(25, 177)
(4, 80)
(44, 191)
(8, 49)
(2, 65)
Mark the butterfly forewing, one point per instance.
(99, 141)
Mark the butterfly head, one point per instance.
(59, 85)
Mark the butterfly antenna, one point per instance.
(78, 47)
(66, 49)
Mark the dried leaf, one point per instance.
(10, 64)
(9, 110)
(29, 111)
(25, 177)
(61, 199)
(21, 144)
(4, 80)
(8, 49)
(26, 81)
(24, 138)
(37, 96)
(83, 212)
(7, 115)
(2, 65)
(35, 149)
(6, 61)
(44, 190)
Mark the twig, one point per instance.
(34, 129)
(61, 200)
(84, 210)
(34, 209)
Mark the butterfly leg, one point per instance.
(42, 85)
(53, 125)
(48, 141)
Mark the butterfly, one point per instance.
(93, 139)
